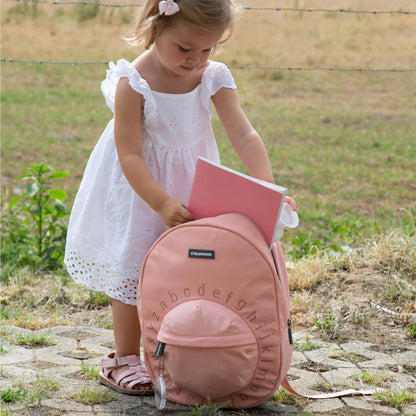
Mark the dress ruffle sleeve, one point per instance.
(215, 77)
(123, 69)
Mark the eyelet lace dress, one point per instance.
(111, 228)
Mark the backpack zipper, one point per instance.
(289, 330)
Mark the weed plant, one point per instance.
(324, 386)
(30, 340)
(89, 370)
(33, 229)
(373, 378)
(285, 397)
(411, 331)
(396, 398)
(308, 345)
(90, 396)
(210, 409)
(12, 394)
(25, 393)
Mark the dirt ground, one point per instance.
(364, 304)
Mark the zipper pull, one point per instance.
(160, 349)
(289, 330)
(160, 388)
(160, 393)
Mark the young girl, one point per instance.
(141, 171)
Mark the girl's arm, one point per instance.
(245, 140)
(127, 131)
(243, 137)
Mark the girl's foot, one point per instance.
(125, 375)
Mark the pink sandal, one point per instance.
(128, 379)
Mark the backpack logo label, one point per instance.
(195, 253)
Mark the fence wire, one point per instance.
(243, 67)
(275, 9)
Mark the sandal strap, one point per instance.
(135, 379)
(143, 374)
(121, 379)
(112, 362)
(129, 378)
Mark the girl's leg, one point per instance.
(127, 331)
(127, 335)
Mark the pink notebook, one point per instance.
(218, 190)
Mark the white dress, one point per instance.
(111, 228)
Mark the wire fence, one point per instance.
(276, 9)
(242, 67)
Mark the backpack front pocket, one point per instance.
(210, 349)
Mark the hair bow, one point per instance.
(168, 7)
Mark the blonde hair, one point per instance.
(215, 16)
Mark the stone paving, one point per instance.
(61, 361)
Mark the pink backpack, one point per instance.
(214, 305)
(214, 302)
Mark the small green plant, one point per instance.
(89, 370)
(210, 409)
(41, 387)
(308, 345)
(329, 328)
(396, 398)
(5, 332)
(326, 324)
(411, 331)
(327, 241)
(12, 395)
(92, 396)
(5, 312)
(5, 411)
(324, 385)
(33, 230)
(99, 299)
(31, 340)
(372, 378)
(303, 245)
(282, 396)
(21, 391)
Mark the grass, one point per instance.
(373, 378)
(210, 409)
(343, 143)
(282, 396)
(308, 345)
(25, 393)
(396, 398)
(36, 302)
(351, 357)
(26, 340)
(91, 396)
(324, 386)
(89, 370)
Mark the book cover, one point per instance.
(217, 190)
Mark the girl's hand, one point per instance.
(174, 212)
(291, 202)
